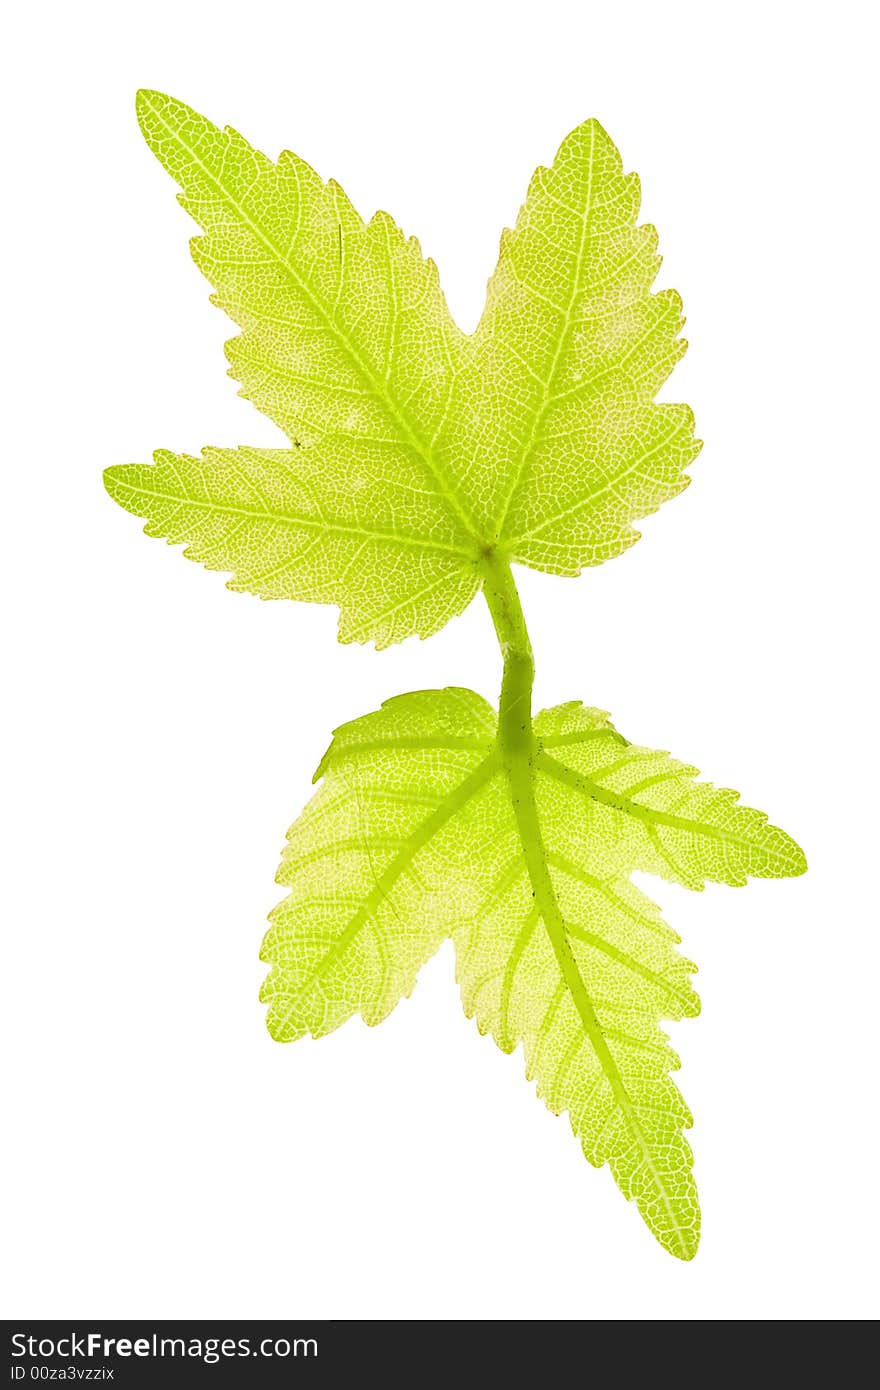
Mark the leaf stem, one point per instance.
(515, 704)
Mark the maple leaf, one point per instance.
(422, 463)
(418, 832)
(419, 447)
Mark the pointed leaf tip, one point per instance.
(683, 1244)
(112, 477)
(146, 99)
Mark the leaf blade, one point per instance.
(636, 1130)
(556, 950)
(362, 917)
(346, 339)
(647, 808)
(575, 346)
(294, 524)
(278, 206)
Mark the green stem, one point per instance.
(515, 704)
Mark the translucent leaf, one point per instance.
(418, 449)
(413, 837)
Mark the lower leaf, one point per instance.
(422, 829)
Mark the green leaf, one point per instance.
(418, 449)
(414, 835)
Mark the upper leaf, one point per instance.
(418, 448)
(414, 836)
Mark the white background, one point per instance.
(164, 1157)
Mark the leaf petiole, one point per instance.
(515, 704)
